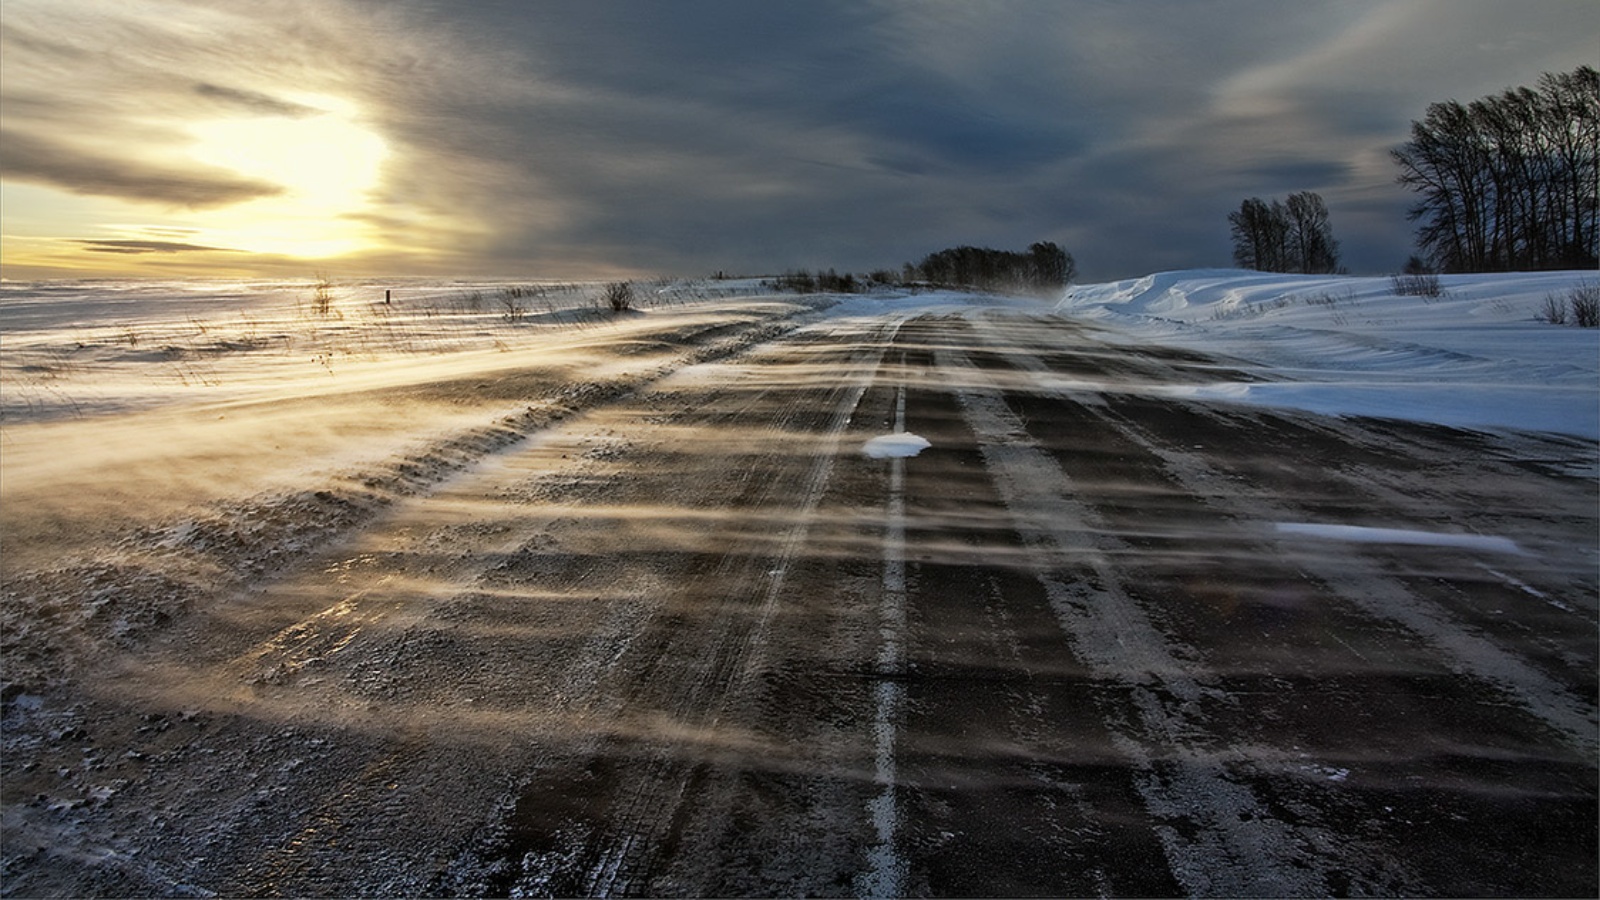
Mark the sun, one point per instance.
(327, 163)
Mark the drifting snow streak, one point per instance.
(886, 874)
(627, 851)
(1466, 650)
(1362, 535)
(1239, 849)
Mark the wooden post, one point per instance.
(386, 297)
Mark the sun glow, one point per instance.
(327, 163)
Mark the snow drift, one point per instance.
(1479, 356)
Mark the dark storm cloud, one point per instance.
(1283, 175)
(858, 135)
(569, 136)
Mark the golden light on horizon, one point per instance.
(327, 163)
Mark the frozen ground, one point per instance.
(1210, 583)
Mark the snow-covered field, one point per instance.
(82, 348)
(1477, 357)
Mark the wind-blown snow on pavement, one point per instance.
(741, 594)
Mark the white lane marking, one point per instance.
(885, 876)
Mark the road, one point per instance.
(1099, 638)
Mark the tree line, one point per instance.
(1042, 268)
(1509, 181)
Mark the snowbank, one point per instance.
(1478, 357)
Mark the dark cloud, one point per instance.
(140, 247)
(85, 173)
(29, 158)
(253, 101)
(569, 136)
(754, 136)
(1286, 175)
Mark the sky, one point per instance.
(590, 138)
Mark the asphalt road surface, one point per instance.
(1099, 638)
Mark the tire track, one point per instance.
(1465, 650)
(1274, 626)
(708, 676)
(723, 654)
(1220, 838)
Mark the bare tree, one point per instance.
(1258, 236)
(1312, 249)
(1279, 237)
(1509, 181)
(619, 296)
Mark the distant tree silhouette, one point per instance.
(1044, 267)
(1284, 237)
(1260, 235)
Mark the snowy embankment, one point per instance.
(1479, 356)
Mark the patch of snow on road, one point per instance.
(900, 445)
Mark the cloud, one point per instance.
(134, 247)
(574, 137)
(56, 162)
(253, 101)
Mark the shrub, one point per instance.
(1420, 284)
(1554, 310)
(322, 296)
(800, 282)
(515, 311)
(1579, 306)
(619, 296)
(1584, 301)
(830, 281)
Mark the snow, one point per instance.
(1365, 535)
(1477, 357)
(73, 351)
(74, 348)
(900, 445)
